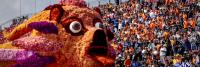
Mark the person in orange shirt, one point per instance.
(176, 11)
(166, 2)
(159, 18)
(158, 46)
(144, 16)
(166, 34)
(184, 16)
(152, 25)
(151, 35)
(160, 22)
(145, 31)
(136, 31)
(142, 36)
(171, 1)
(185, 24)
(132, 31)
(146, 34)
(149, 60)
(133, 4)
(140, 26)
(161, 25)
(193, 23)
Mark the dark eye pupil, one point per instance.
(76, 27)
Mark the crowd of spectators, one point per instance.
(155, 33)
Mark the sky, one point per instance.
(10, 9)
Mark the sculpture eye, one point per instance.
(75, 27)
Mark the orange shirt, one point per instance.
(184, 16)
(152, 25)
(161, 25)
(141, 26)
(185, 24)
(133, 5)
(142, 36)
(132, 31)
(173, 42)
(166, 1)
(145, 31)
(151, 36)
(149, 60)
(158, 46)
(144, 17)
(159, 19)
(146, 37)
(170, 1)
(177, 11)
(166, 35)
(193, 23)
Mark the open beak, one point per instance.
(99, 48)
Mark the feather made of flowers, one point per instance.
(44, 27)
(34, 61)
(80, 3)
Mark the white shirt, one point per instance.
(163, 51)
(145, 11)
(147, 22)
(177, 36)
(120, 26)
(144, 51)
(138, 36)
(197, 59)
(152, 14)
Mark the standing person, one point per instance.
(135, 64)
(177, 61)
(120, 25)
(152, 25)
(187, 44)
(166, 35)
(193, 23)
(163, 51)
(185, 63)
(115, 21)
(127, 62)
(186, 24)
(152, 14)
(120, 61)
(141, 26)
(161, 23)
